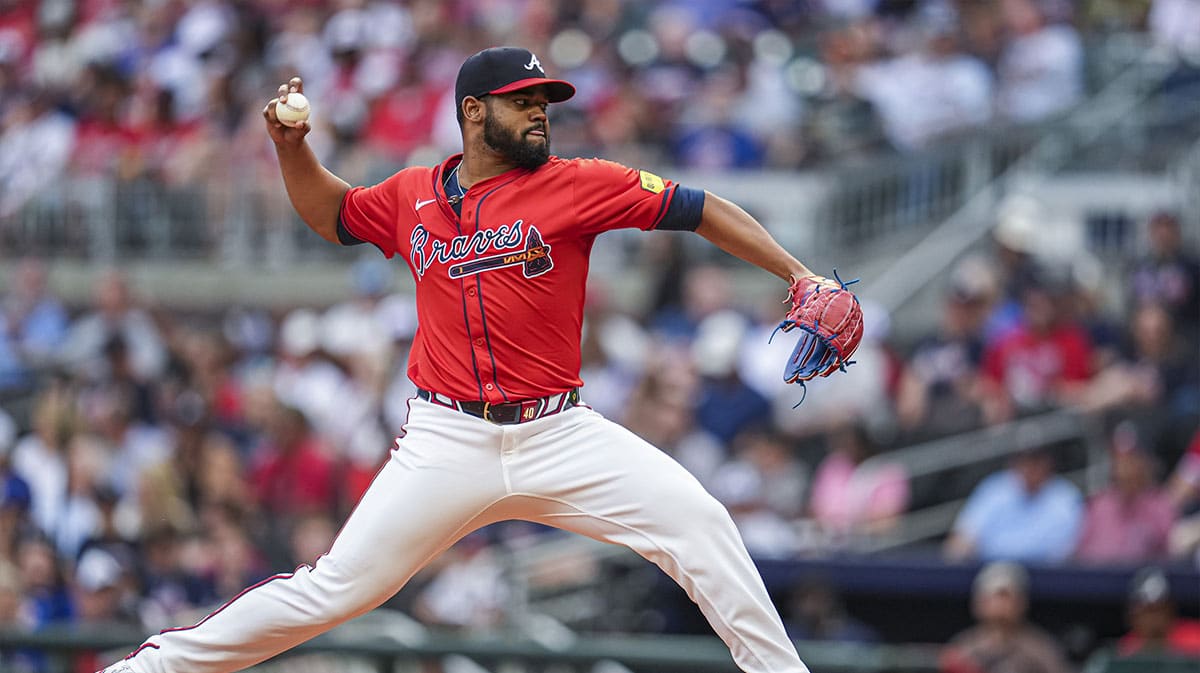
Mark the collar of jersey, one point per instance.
(480, 186)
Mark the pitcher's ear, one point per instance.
(473, 109)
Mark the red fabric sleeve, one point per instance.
(610, 196)
(993, 361)
(1076, 349)
(370, 214)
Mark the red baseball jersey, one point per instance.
(500, 290)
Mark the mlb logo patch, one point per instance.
(651, 182)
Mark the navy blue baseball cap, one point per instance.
(505, 69)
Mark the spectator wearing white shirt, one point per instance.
(1041, 69)
(35, 146)
(469, 592)
(115, 315)
(307, 379)
(932, 92)
(1176, 24)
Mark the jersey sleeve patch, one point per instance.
(651, 182)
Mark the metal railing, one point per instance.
(1186, 173)
(987, 448)
(353, 648)
(910, 193)
(381, 651)
(105, 219)
(1060, 143)
(1105, 662)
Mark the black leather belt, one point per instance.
(509, 412)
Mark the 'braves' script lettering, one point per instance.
(425, 251)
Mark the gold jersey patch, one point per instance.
(652, 183)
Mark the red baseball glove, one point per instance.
(831, 324)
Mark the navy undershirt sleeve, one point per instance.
(685, 210)
(344, 235)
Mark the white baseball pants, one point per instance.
(452, 473)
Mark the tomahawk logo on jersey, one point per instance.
(506, 258)
(534, 259)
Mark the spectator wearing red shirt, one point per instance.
(402, 120)
(294, 475)
(1155, 629)
(18, 31)
(104, 145)
(1044, 362)
(163, 148)
(1131, 520)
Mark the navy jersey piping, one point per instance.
(462, 284)
(487, 338)
(662, 205)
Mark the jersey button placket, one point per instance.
(483, 356)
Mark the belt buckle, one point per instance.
(487, 411)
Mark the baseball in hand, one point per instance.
(293, 111)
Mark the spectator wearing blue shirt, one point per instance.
(1024, 513)
(33, 323)
(726, 404)
(46, 600)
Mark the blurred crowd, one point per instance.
(153, 462)
(167, 93)
(1004, 639)
(165, 460)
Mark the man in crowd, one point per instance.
(1130, 520)
(1155, 628)
(1025, 513)
(1002, 641)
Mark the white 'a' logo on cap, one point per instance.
(534, 63)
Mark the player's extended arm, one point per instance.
(829, 319)
(315, 192)
(733, 230)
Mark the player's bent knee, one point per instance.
(706, 513)
(690, 502)
(335, 591)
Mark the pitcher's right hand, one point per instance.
(280, 134)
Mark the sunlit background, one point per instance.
(195, 388)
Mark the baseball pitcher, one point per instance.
(497, 239)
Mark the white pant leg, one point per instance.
(583, 473)
(439, 484)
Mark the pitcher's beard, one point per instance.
(521, 152)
